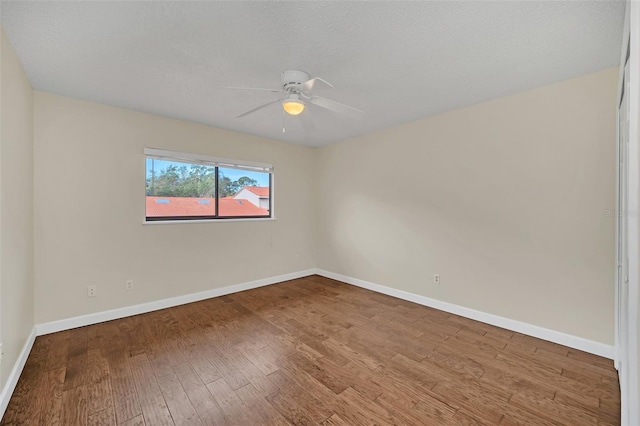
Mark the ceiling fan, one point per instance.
(296, 91)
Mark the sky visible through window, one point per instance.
(233, 174)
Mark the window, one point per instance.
(181, 186)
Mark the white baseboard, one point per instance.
(81, 321)
(571, 341)
(12, 380)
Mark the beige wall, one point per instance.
(506, 200)
(16, 207)
(89, 209)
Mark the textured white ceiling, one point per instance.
(398, 61)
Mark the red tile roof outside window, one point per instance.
(260, 191)
(191, 206)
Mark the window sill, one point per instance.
(176, 222)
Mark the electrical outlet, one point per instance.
(436, 278)
(128, 285)
(92, 291)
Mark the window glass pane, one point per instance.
(243, 193)
(178, 189)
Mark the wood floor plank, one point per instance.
(514, 382)
(461, 417)
(477, 399)
(164, 349)
(192, 345)
(261, 408)
(574, 364)
(519, 349)
(76, 358)
(237, 370)
(126, 402)
(411, 346)
(468, 325)
(610, 411)
(485, 344)
(289, 407)
(264, 359)
(125, 397)
(136, 421)
(74, 406)
(335, 382)
(362, 340)
(286, 345)
(554, 410)
(41, 347)
(518, 417)
(404, 391)
(435, 330)
(546, 374)
(591, 406)
(422, 374)
(152, 402)
(353, 355)
(58, 354)
(454, 363)
(295, 394)
(499, 333)
(590, 359)
(334, 420)
(357, 409)
(359, 379)
(99, 395)
(203, 402)
(234, 409)
(225, 360)
(134, 333)
(434, 411)
(105, 417)
(49, 396)
(541, 344)
(308, 351)
(180, 407)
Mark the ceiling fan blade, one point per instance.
(256, 88)
(307, 123)
(257, 108)
(337, 107)
(308, 85)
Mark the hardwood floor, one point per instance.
(308, 351)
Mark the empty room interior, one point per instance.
(319, 213)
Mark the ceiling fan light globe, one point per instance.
(293, 107)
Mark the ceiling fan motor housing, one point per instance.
(295, 93)
(292, 79)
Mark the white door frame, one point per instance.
(626, 359)
(621, 265)
(634, 205)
